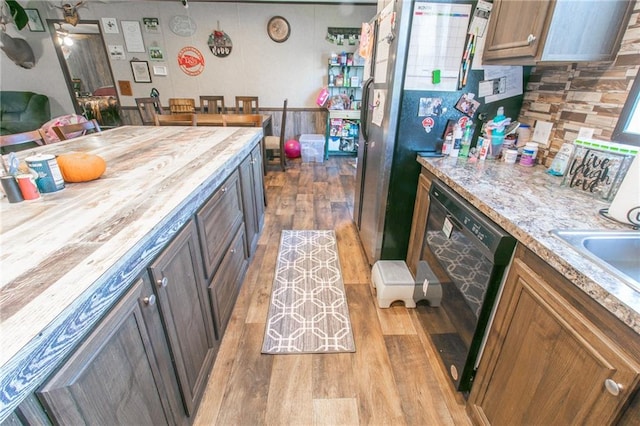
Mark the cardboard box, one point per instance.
(312, 148)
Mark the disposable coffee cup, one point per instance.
(28, 188)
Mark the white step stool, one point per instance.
(393, 281)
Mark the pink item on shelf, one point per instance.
(322, 97)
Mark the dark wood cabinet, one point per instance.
(225, 286)
(115, 376)
(553, 356)
(186, 311)
(218, 221)
(148, 361)
(419, 221)
(252, 197)
(29, 412)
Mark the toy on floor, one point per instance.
(292, 148)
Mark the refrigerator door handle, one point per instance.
(364, 109)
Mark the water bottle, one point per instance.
(466, 140)
(497, 134)
(447, 145)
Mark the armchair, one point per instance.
(22, 111)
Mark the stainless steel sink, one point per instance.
(616, 251)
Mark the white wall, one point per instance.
(295, 69)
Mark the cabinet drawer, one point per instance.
(218, 220)
(225, 286)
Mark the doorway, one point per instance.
(87, 71)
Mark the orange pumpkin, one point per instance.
(81, 166)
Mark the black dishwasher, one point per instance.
(468, 254)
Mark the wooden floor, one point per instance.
(393, 378)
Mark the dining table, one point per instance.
(205, 119)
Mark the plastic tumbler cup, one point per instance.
(496, 146)
(11, 189)
(28, 187)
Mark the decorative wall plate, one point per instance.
(191, 61)
(278, 29)
(182, 25)
(220, 43)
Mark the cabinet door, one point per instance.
(516, 29)
(419, 221)
(252, 198)
(113, 377)
(218, 220)
(225, 285)
(29, 412)
(546, 362)
(249, 204)
(185, 308)
(525, 32)
(258, 184)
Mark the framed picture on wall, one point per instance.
(151, 25)
(132, 36)
(140, 71)
(159, 70)
(34, 23)
(116, 52)
(156, 54)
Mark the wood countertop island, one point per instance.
(68, 256)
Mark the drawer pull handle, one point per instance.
(163, 282)
(531, 38)
(233, 251)
(224, 189)
(612, 387)
(150, 300)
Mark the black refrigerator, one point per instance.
(393, 124)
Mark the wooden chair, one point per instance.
(247, 105)
(175, 120)
(209, 119)
(182, 105)
(21, 141)
(71, 131)
(212, 104)
(241, 120)
(148, 108)
(273, 144)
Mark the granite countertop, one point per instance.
(68, 256)
(528, 203)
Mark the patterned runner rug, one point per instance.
(308, 312)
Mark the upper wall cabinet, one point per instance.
(528, 32)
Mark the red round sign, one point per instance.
(428, 124)
(191, 61)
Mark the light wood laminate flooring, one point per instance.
(393, 378)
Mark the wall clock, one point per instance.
(278, 29)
